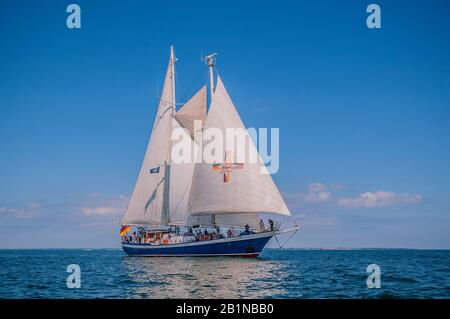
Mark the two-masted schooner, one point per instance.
(198, 208)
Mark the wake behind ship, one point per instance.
(195, 208)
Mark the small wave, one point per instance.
(407, 280)
(389, 295)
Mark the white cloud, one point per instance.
(316, 197)
(380, 199)
(29, 211)
(99, 206)
(319, 193)
(102, 210)
(316, 194)
(317, 187)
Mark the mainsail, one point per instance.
(249, 190)
(150, 199)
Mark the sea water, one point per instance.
(278, 273)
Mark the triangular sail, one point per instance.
(248, 190)
(150, 199)
(194, 109)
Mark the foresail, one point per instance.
(181, 179)
(194, 109)
(247, 190)
(182, 171)
(150, 199)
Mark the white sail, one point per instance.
(248, 191)
(204, 220)
(182, 172)
(249, 219)
(180, 181)
(194, 109)
(150, 199)
(239, 220)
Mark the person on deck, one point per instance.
(271, 224)
(261, 225)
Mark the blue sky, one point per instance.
(364, 115)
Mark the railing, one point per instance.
(268, 226)
(212, 232)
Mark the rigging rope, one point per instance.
(186, 93)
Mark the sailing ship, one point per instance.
(198, 208)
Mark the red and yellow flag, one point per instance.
(125, 229)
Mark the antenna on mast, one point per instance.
(173, 59)
(210, 61)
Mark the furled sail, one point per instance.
(150, 199)
(247, 190)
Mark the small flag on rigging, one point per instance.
(154, 170)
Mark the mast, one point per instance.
(172, 63)
(210, 61)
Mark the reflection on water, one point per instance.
(206, 277)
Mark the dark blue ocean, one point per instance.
(276, 274)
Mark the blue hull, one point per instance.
(245, 247)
